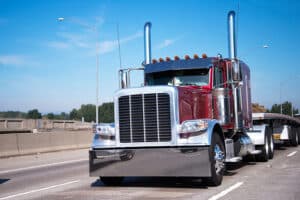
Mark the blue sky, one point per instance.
(51, 65)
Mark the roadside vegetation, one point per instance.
(87, 112)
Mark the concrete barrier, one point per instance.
(30, 143)
(8, 145)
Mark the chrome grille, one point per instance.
(145, 118)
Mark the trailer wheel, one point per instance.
(111, 181)
(264, 155)
(271, 143)
(294, 139)
(298, 132)
(217, 158)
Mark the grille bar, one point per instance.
(145, 118)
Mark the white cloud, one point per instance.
(166, 43)
(77, 40)
(98, 21)
(82, 41)
(17, 60)
(111, 45)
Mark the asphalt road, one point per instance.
(64, 175)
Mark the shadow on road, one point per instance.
(169, 182)
(3, 180)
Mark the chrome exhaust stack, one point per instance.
(124, 74)
(231, 35)
(147, 43)
(236, 74)
(232, 46)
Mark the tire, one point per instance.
(298, 132)
(216, 163)
(271, 143)
(264, 155)
(111, 181)
(294, 140)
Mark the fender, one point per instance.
(257, 135)
(212, 124)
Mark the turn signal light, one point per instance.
(168, 59)
(154, 61)
(187, 57)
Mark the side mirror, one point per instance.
(124, 78)
(236, 71)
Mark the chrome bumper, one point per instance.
(158, 161)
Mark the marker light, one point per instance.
(176, 58)
(196, 56)
(154, 61)
(187, 57)
(204, 55)
(168, 59)
(161, 60)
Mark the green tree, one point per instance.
(106, 112)
(74, 115)
(13, 114)
(286, 108)
(34, 114)
(88, 111)
(50, 116)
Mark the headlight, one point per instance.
(105, 131)
(191, 126)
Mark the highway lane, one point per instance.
(64, 175)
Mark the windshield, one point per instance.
(197, 77)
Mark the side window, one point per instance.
(218, 78)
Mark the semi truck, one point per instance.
(190, 118)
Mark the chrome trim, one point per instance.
(130, 119)
(231, 35)
(147, 42)
(157, 117)
(221, 105)
(173, 93)
(176, 162)
(257, 134)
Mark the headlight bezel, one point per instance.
(193, 128)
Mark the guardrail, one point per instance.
(14, 144)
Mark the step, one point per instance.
(234, 159)
(255, 152)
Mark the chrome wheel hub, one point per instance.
(219, 159)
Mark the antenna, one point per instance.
(119, 45)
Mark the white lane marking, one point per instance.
(224, 192)
(40, 166)
(291, 154)
(38, 190)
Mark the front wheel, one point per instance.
(217, 157)
(111, 181)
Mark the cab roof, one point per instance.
(201, 63)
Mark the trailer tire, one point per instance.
(111, 181)
(271, 143)
(216, 161)
(294, 139)
(264, 155)
(298, 132)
